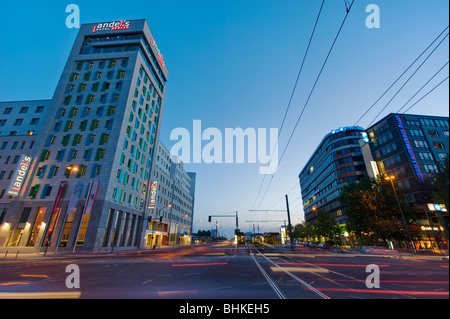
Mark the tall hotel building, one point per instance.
(337, 160)
(88, 185)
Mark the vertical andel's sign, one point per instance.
(153, 189)
(19, 176)
(158, 53)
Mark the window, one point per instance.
(433, 133)
(426, 156)
(34, 121)
(421, 144)
(439, 145)
(23, 109)
(430, 168)
(2, 122)
(18, 122)
(416, 133)
(7, 110)
(40, 109)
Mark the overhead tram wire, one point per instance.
(426, 94)
(404, 72)
(293, 91)
(411, 76)
(435, 74)
(310, 94)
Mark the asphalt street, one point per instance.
(224, 272)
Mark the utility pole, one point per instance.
(291, 235)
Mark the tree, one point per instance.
(305, 231)
(441, 182)
(205, 233)
(327, 226)
(372, 210)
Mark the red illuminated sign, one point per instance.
(115, 25)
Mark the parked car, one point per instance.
(324, 246)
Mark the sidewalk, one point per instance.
(20, 253)
(359, 252)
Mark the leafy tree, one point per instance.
(305, 231)
(441, 182)
(327, 226)
(372, 210)
(204, 233)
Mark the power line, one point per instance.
(423, 86)
(293, 91)
(427, 94)
(310, 94)
(404, 72)
(414, 73)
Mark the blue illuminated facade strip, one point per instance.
(410, 151)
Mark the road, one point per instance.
(222, 272)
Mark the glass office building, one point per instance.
(411, 147)
(337, 160)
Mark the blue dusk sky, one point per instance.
(234, 63)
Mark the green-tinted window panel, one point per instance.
(95, 86)
(79, 66)
(67, 99)
(34, 191)
(83, 125)
(75, 139)
(111, 110)
(67, 126)
(102, 139)
(65, 140)
(44, 156)
(72, 76)
(99, 154)
(87, 76)
(120, 74)
(72, 110)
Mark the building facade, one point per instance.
(337, 160)
(411, 148)
(89, 184)
(22, 127)
(172, 203)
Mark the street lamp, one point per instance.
(391, 178)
